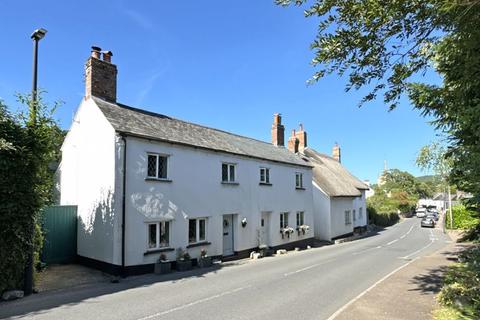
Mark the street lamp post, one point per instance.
(36, 36)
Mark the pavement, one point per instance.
(311, 284)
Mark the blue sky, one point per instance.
(224, 64)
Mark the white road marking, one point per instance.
(378, 247)
(403, 236)
(336, 313)
(184, 306)
(301, 270)
(415, 252)
(392, 242)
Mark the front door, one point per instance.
(227, 235)
(265, 229)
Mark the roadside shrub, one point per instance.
(463, 218)
(461, 289)
(381, 219)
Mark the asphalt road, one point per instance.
(310, 284)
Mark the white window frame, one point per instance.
(197, 230)
(348, 218)
(158, 156)
(298, 180)
(360, 212)
(157, 235)
(283, 220)
(229, 177)
(266, 175)
(300, 218)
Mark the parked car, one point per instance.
(428, 222)
(421, 212)
(432, 215)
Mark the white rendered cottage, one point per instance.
(339, 197)
(146, 184)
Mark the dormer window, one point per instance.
(157, 165)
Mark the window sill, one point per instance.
(153, 251)
(157, 179)
(299, 188)
(265, 184)
(230, 183)
(198, 244)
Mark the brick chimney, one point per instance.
(336, 153)
(293, 142)
(278, 131)
(302, 138)
(101, 76)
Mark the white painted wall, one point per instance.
(360, 202)
(196, 191)
(87, 179)
(338, 206)
(321, 204)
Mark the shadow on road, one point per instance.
(38, 304)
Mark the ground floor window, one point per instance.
(360, 213)
(197, 230)
(354, 215)
(348, 218)
(283, 220)
(158, 235)
(300, 218)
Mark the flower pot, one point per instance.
(205, 262)
(184, 265)
(163, 267)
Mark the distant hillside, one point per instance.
(427, 179)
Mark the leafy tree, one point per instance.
(27, 151)
(386, 45)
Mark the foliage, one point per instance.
(386, 45)
(463, 218)
(381, 219)
(399, 192)
(26, 150)
(461, 290)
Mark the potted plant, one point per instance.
(303, 229)
(287, 231)
(163, 265)
(184, 262)
(264, 250)
(204, 261)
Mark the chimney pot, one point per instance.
(293, 142)
(107, 56)
(302, 138)
(96, 52)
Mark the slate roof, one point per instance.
(142, 123)
(332, 177)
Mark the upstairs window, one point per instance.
(283, 220)
(300, 218)
(354, 215)
(157, 166)
(228, 172)
(299, 180)
(264, 175)
(360, 213)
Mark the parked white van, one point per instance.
(421, 212)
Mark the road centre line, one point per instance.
(391, 242)
(301, 270)
(336, 313)
(415, 252)
(184, 306)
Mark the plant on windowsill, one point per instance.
(163, 265)
(287, 231)
(204, 261)
(303, 229)
(184, 262)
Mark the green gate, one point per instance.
(60, 232)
